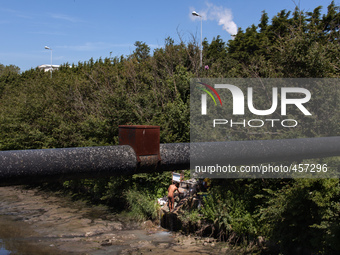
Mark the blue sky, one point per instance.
(77, 30)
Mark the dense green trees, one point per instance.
(83, 105)
(8, 75)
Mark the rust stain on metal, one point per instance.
(144, 140)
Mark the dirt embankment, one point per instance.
(37, 222)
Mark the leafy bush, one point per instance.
(229, 215)
(303, 214)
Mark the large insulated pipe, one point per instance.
(262, 151)
(33, 166)
(45, 165)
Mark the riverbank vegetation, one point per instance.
(83, 104)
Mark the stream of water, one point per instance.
(3, 250)
(40, 223)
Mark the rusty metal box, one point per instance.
(142, 138)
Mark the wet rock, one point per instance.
(71, 235)
(142, 244)
(130, 251)
(106, 243)
(115, 225)
(128, 237)
(163, 245)
(92, 233)
(147, 224)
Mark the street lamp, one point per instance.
(198, 15)
(48, 48)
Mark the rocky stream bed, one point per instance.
(39, 222)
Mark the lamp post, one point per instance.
(201, 48)
(48, 48)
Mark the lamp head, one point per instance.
(195, 13)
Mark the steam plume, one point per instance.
(222, 15)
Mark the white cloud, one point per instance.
(64, 17)
(16, 13)
(222, 15)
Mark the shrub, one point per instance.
(142, 206)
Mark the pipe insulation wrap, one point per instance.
(44, 165)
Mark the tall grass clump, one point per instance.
(142, 206)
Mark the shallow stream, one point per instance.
(37, 222)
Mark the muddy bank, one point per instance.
(37, 222)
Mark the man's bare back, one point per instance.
(171, 190)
